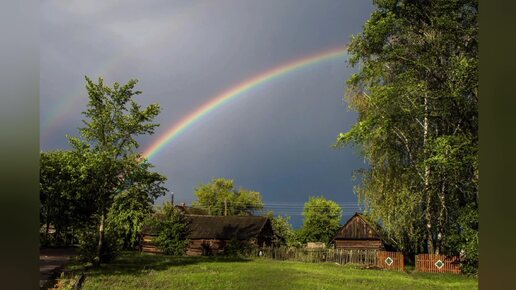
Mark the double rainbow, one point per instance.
(235, 92)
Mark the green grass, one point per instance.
(147, 271)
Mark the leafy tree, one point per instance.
(284, 234)
(220, 197)
(128, 213)
(416, 95)
(321, 220)
(172, 229)
(64, 203)
(108, 146)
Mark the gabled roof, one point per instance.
(373, 226)
(226, 227)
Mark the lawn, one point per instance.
(147, 271)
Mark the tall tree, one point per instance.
(108, 147)
(219, 197)
(416, 95)
(321, 220)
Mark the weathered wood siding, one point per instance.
(357, 228)
(203, 247)
(358, 234)
(148, 246)
(359, 244)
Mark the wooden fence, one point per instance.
(391, 260)
(387, 260)
(437, 264)
(382, 259)
(367, 257)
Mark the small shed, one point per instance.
(359, 233)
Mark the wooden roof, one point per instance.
(359, 227)
(227, 227)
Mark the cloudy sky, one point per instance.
(276, 138)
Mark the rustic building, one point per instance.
(209, 235)
(359, 233)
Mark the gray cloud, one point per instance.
(276, 138)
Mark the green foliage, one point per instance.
(416, 95)
(465, 241)
(237, 248)
(219, 197)
(110, 165)
(171, 227)
(88, 246)
(321, 220)
(64, 203)
(283, 231)
(127, 215)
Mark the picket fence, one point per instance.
(437, 264)
(376, 258)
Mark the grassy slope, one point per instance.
(145, 271)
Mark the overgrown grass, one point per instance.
(147, 271)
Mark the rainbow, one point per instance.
(236, 91)
(67, 106)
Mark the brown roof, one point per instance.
(375, 228)
(226, 227)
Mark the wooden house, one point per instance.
(359, 233)
(209, 235)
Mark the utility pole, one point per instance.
(172, 198)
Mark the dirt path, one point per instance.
(52, 260)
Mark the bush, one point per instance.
(469, 224)
(171, 227)
(464, 242)
(237, 248)
(88, 243)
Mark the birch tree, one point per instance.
(416, 95)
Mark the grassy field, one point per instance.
(146, 271)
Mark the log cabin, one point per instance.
(359, 233)
(209, 234)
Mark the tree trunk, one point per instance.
(442, 216)
(48, 209)
(101, 238)
(426, 190)
(47, 229)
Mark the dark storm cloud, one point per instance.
(276, 139)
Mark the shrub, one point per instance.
(88, 243)
(171, 227)
(237, 248)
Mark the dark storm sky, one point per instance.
(275, 139)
